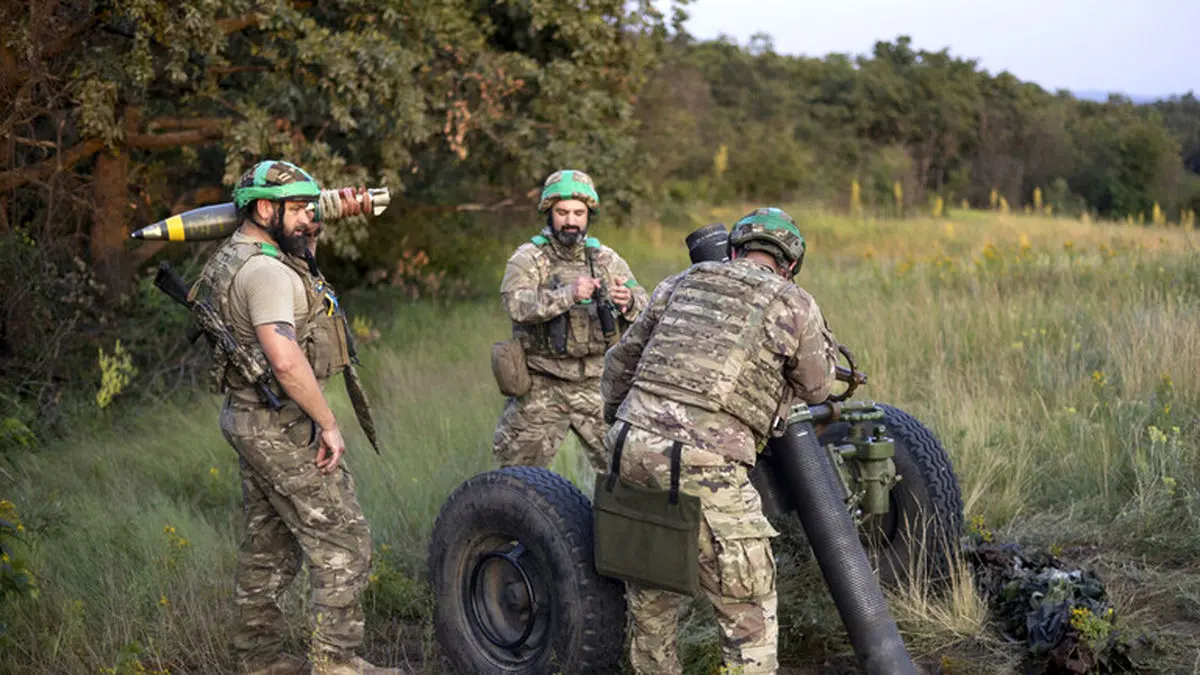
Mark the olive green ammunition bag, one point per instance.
(508, 366)
(646, 536)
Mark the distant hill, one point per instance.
(1101, 96)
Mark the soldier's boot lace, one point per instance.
(286, 664)
(355, 666)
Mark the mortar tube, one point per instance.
(804, 468)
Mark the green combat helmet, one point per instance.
(275, 180)
(773, 231)
(569, 184)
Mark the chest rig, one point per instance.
(320, 326)
(576, 333)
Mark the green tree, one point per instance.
(1126, 160)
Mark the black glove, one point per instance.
(610, 413)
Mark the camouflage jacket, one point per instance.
(712, 357)
(537, 289)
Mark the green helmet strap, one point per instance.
(277, 192)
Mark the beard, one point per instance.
(571, 237)
(293, 245)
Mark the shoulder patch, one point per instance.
(539, 239)
(269, 249)
(591, 242)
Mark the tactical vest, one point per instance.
(580, 324)
(321, 333)
(708, 349)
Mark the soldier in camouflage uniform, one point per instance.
(299, 498)
(547, 291)
(719, 350)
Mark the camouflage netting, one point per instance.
(1064, 616)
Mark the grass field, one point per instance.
(1059, 363)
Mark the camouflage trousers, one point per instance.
(294, 513)
(533, 426)
(737, 567)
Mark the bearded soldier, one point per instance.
(568, 297)
(299, 498)
(704, 372)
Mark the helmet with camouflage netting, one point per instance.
(569, 184)
(772, 231)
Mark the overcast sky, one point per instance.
(1139, 47)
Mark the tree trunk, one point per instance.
(110, 190)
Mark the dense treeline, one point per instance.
(118, 113)
(937, 124)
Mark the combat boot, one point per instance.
(286, 664)
(355, 666)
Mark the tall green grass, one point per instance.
(1058, 362)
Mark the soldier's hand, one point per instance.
(620, 294)
(584, 287)
(331, 447)
(314, 231)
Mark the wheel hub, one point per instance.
(503, 601)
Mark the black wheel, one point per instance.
(925, 510)
(516, 588)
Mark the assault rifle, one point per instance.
(218, 334)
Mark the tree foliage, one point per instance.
(121, 112)
(936, 124)
(494, 93)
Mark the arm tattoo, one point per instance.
(286, 330)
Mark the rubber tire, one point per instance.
(928, 486)
(586, 627)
